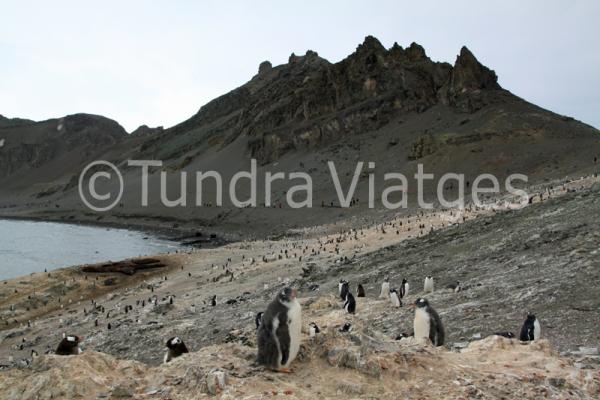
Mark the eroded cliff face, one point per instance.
(310, 102)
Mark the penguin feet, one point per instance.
(285, 370)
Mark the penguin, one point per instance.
(360, 290)
(313, 329)
(394, 298)
(344, 289)
(454, 287)
(531, 329)
(213, 300)
(427, 323)
(258, 319)
(175, 348)
(346, 328)
(403, 336)
(428, 285)
(507, 334)
(385, 289)
(403, 288)
(350, 304)
(279, 333)
(69, 346)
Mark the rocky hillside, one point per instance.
(394, 106)
(358, 364)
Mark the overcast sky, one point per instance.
(156, 64)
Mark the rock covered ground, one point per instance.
(543, 258)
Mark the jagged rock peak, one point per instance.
(146, 130)
(371, 43)
(264, 66)
(469, 73)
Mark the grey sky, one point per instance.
(156, 64)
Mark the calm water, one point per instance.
(27, 246)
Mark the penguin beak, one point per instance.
(294, 293)
(412, 306)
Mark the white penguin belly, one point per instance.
(295, 318)
(537, 330)
(395, 300)
(385, 290)
(421, 324)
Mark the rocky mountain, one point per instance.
(395, 106)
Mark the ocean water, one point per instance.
(27, 246)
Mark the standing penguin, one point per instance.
(531, 329)
(344, 289)
(428, 285)
(258, 319)
(403, 288)
(385, 289)
(360, 291)
(69, 346)
(394, 298)
(279, 333)
(350, 304)
(213, 300)
(175, 348)
(427, 323)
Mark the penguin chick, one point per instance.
(427, 323)
(279, 333)
(175, 348)
(69, 346)
(531, 329)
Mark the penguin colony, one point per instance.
(424, 312)
(279, 326)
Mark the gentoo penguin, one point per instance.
(427, 323)
(394, 298)
(385, 289)
(428, 285)
(403, 288)
(213, 300)
(508, 335)
(279, 333)
(258, 319)
(531, 329)
(175, 348)
(344, 289)
(69, 346)
(360, 290)
(350, 304)
(403, 336)
(346, 328)
(313, 329)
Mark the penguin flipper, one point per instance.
(283, 334)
